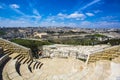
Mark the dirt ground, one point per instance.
(58, 66)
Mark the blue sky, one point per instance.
(74, 13)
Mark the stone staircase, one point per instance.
(15, 65)
(107, 54)
(20, 66)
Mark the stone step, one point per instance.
(3, 58)
(17, 56)
(32, 66)
(118, 53)
(24, 60)
(21, 59)
(40, 65)
(35, 65)
(29, 61)
(17, 67)
(8, 52)
(25, 72)
(36, 75)
(2, 65)
(4, 74)
(29, 64)
(11, 71)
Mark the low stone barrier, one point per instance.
(5, 44)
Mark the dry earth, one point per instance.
(73, 69)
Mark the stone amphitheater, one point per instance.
(17, 63)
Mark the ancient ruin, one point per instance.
(59, 62)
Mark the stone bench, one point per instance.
(30, 60)
(38, 64)
(5, 52)
(24, 60)
(21, 59)
(3, 58)
(2, 65)
(25, 72)
(8, 51)
(31, 65)
(17, 56)
(11, 71)
(36, 75)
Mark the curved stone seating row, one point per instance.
(19, 60)
(108, 54)
(20, 67)
(4, 74)
(11, 70)
(3, 58)
(3, 61)
(17, 56)
(25, 72)
(17, 67)
(116, 60)
(15, 70)
(36, 75)
(7, 51)
(31, 64)
(102, 57)
(25, 60)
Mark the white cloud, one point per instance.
(89, 14)
(74, 15)
(19, 22)
(99, 24)
(24, 22)
(14, 6)
(108, 18)
(18, 11)
(37, 14)
(90, 4)
(97, 11)
(57, 24)
(61, 15)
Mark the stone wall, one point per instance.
(15, 48)
(88, 53)
(58, 50)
